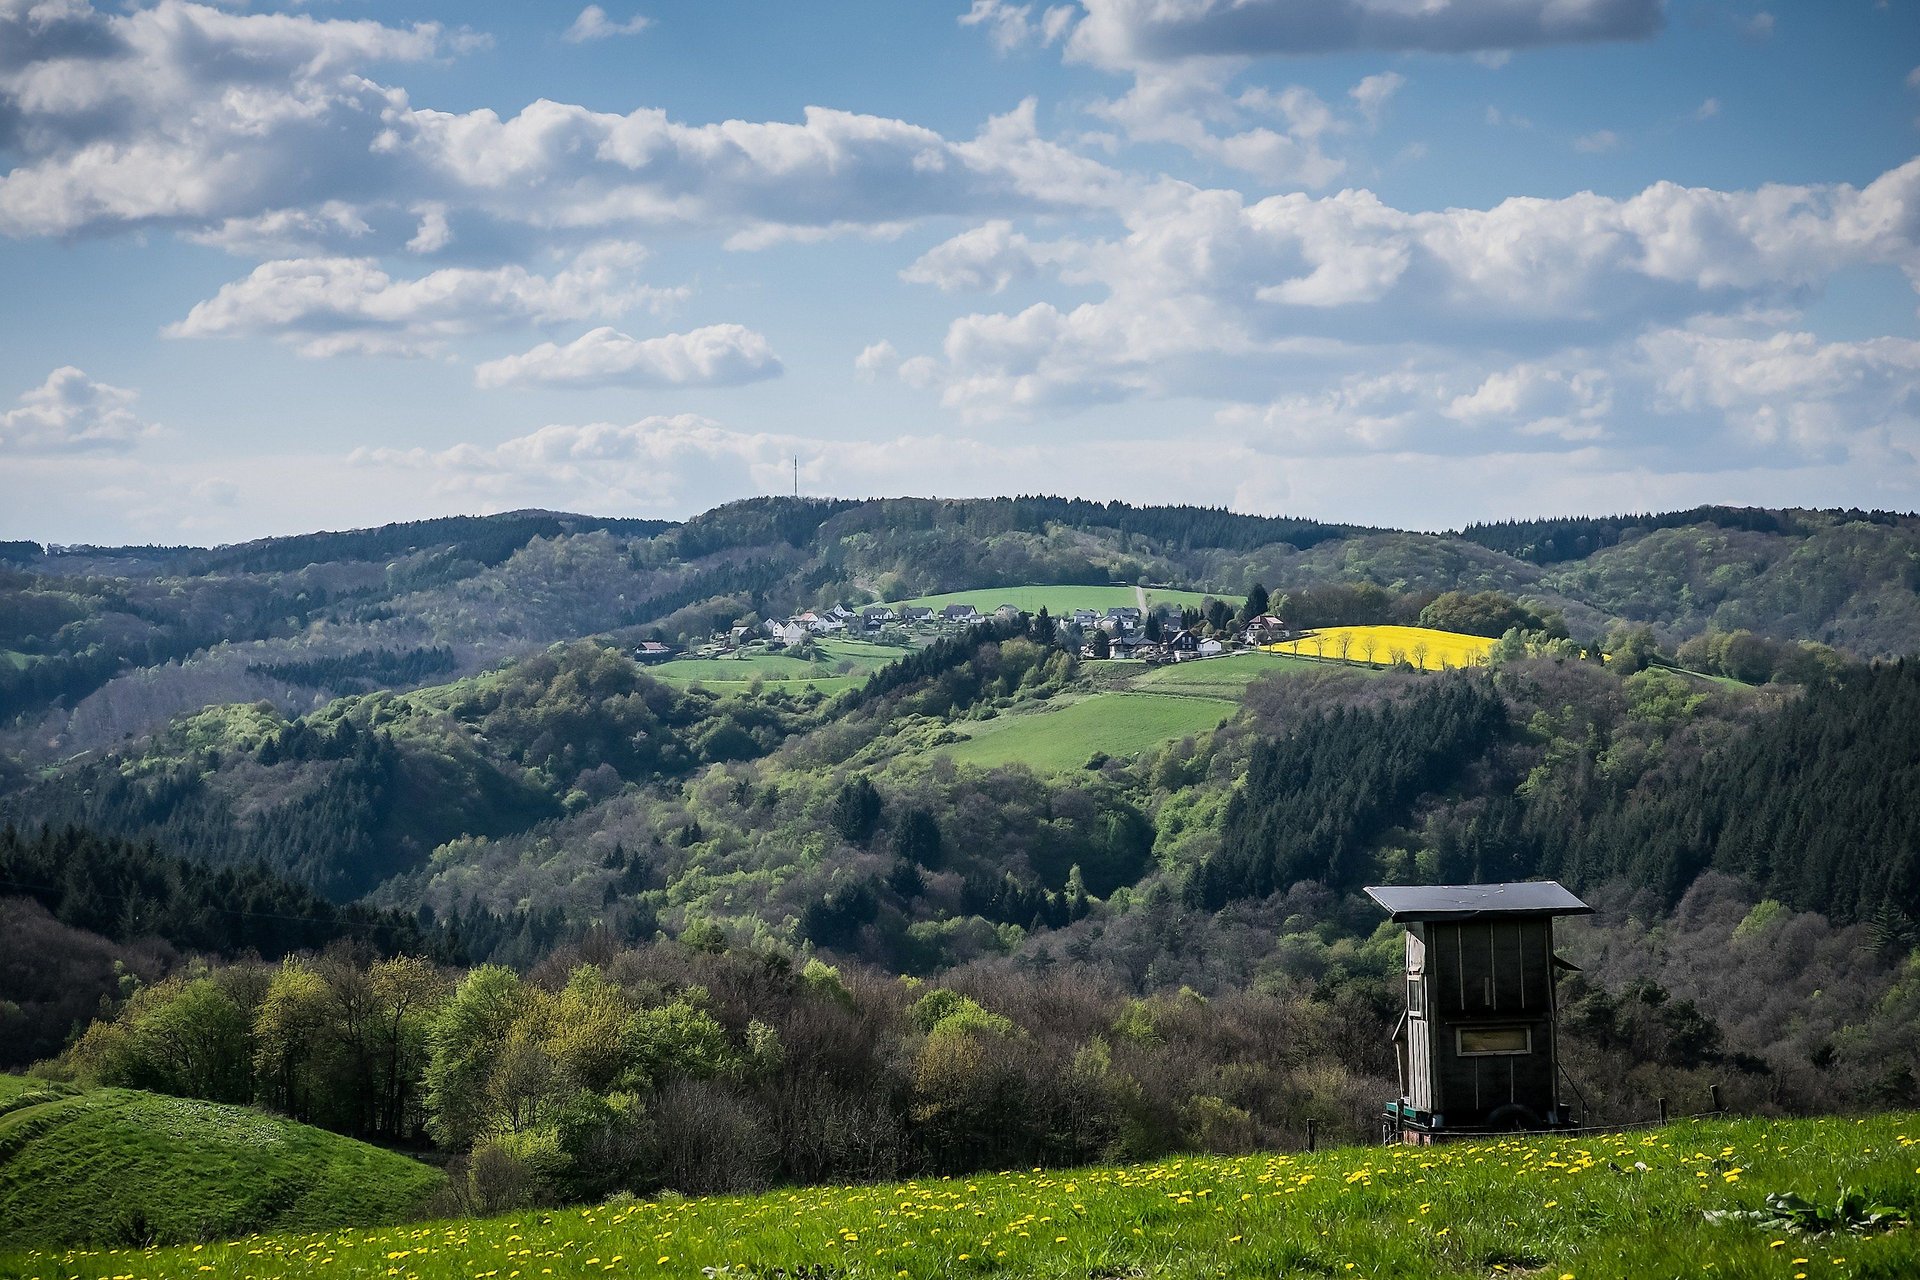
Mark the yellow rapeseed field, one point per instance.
(1422, 647)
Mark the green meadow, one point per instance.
(1139, 708)
(1063, 735)
(777, 670)
(1686, 1200)
(119, 1165)
(1226, 676)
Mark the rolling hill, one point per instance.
(103, 642)
(123, 1167)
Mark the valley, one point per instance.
(556, 860)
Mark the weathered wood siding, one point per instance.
(1484, 975)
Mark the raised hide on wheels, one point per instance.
(1478, 1046)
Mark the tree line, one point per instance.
(1315, 802)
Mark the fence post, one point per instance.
(1663, 1110)
(1310, 1135)
(1714, 1089)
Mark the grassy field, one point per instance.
(778, 670)
(1064, 599)
(1223, 677)
(1594, 1207)
(109, 1166)
(1423, 647)
(1062, 737)
(1135, 712)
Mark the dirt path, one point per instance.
(1140, 596)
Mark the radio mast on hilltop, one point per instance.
(796, 475)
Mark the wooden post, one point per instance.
(1310, 1135)
(1663, 1110)
(1714, 1089)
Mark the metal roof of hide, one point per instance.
(1471, 901)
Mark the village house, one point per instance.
(1006, 613)
(1267, 629)
(960, 613)
(1085, 619)
(652, 651)
(1185, 645)
(916, 613)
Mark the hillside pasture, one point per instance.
(116, 1166)
(1064, 735)
(1061, 601)
(1599, 1206)
(1422, 647)
(1226, 676)
(777, 669)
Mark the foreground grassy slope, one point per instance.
(1597, 1206)
(110, 1166)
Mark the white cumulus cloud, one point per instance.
(594, 24)
(249, 129)
(1207, 285)
(71, 413)
(717, 355)
(1010, 26)
(335, 306)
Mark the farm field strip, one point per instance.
(1585, 1207)
(1140, 710)
(781, 668)
(1423, 647)
(1057, 740)
(1230, 673)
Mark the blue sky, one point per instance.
(1411, 262)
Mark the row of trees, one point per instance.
(706, 1070)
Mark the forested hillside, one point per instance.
(608, 901)
(96, 643)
